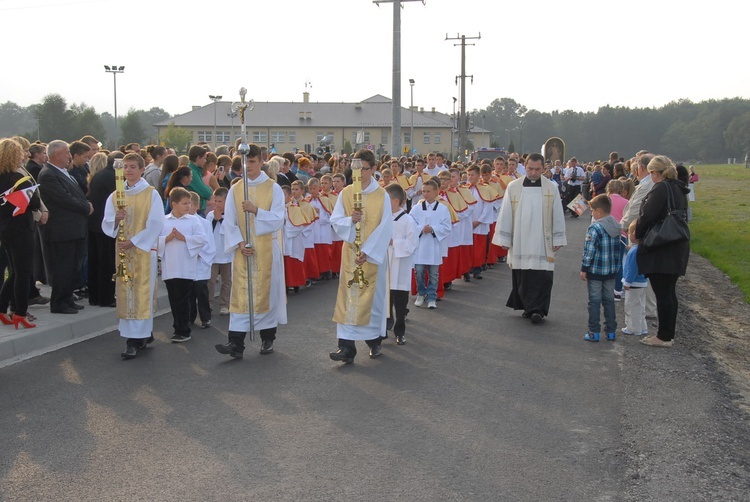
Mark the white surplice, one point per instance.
(145, 240)
(401, 251)
(376, 249)
(266, 222)
(437, 216)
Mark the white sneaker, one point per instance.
(419, 301)
(432, 304)
(627, 331)
(224, 311)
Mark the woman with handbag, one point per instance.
(663, 255)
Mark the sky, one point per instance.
(547, 55)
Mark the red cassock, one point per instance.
(294, 272)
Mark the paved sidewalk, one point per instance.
(55, 331)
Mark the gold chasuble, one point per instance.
(134, 300)
(262, 196)
(354, 305)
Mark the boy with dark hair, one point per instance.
(400, 256)
(601, 260)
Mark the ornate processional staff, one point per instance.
(244, 150)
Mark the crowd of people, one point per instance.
(414, 225)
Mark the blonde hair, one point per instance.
(11, 155)
(274, 166)
(22, 141)
(614, 186)
(183, 161)
(663, 165)
(97, 163)
(195, 198)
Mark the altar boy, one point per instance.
(404, 243)
(434, 225)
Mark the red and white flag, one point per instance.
(18, 198)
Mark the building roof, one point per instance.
(375, 111)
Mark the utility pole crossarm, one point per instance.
(462, 122)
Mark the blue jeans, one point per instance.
(602, 293)
(431, 289)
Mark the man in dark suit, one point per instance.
(65, 231)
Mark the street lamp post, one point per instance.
(215, 99)
(114, 70)
(411, 135)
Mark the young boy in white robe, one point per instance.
(180, 241)
(434, 225)
(200, 301)
(222, 264)
(400, 255)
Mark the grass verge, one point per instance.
(720, 230)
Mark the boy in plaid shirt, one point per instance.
(601, 260)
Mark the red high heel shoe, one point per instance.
(17, 319)
(5, 320)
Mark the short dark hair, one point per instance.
(221, 192)
(431, 182)
(535, 157)
(195, 152)
(367, 156)
(89, 140)
(79, 148)
(602, 202)
(396, 192)
(486, 169)
(177, 194)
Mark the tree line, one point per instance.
(708, 131)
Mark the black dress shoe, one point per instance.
(375, 352)
(230, 349)
(536, 318)
(388, 324)
(342, 355)
(266, 347)
(478, 276)
(400, 340)
(64, 310)
(76, 306)
(112, 305)
(467, 278)
(130, 353)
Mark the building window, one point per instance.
(319, 136)
(292, 136)
(426, 138)
(204, 136)
(260, 137)
(223, 137)
(367, 137)
(384, 138)
(437, 138)
(278, 137)
(407, 138)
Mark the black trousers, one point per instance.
(531, 291)
(101, 267)
(665, 290)
(571, 191)
(238, 337)
(399, 302)
(178, 291)
(63, 259)
(200, 303)
(19, 249)
(351, 347)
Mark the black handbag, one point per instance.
(673, 229)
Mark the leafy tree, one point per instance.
(150, 117)
(54, 119)
(177, 138)
(86, 121)
(737, 135)
(511, 147)
(348, 147)
(15, 119)
(131, 130)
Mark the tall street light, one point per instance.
(411, 136)
(215, 99)
(114, 70)
(232, 115)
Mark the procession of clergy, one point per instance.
(414, 234)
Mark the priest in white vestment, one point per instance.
(267, 209)
(143, 220)
(361, 313)
(531, 225)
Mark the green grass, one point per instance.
(720, 230)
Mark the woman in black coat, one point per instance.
(17, 235)
(665, 264)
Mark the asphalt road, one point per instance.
(478, 405)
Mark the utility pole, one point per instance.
(396, 120)
(462, 122)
